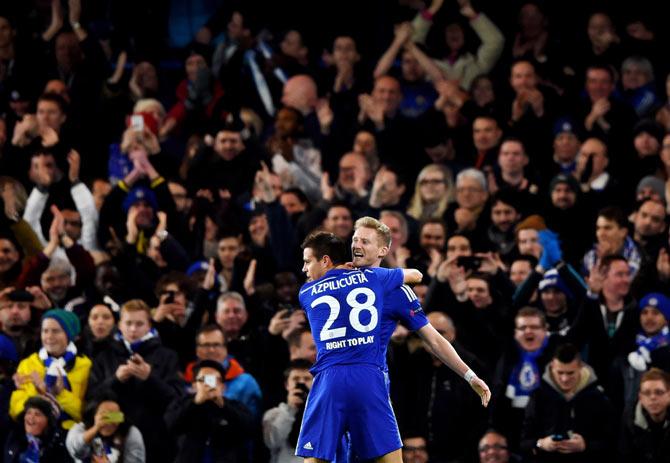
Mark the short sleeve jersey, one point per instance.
(401, 305)
(345, 311)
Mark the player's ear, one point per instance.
(383, 252)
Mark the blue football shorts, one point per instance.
(353, 399)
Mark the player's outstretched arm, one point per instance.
(411, 276)
(443, 350)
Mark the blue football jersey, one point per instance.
(401, 305)
(345, 310)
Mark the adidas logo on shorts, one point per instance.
(308, 446)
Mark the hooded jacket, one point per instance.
(588, 413)
(641, 441)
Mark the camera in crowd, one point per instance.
(303, 391)
(469, 262)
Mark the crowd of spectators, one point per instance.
(161, 162)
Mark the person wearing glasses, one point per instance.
(493, 449)
(414, 450)
(519, 371)
(645, 432)
(210, 344)
(432, 193)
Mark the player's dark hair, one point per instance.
(327, 244)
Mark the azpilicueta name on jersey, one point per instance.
(331, 285)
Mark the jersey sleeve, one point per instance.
(390, 279)
(405, 307)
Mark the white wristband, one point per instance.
(469, 376)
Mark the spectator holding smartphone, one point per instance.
(282, 423)
(208, 426)
(568, 418)
(105, 436)
(143, 373)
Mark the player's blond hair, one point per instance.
(383, 232)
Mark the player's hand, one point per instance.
(482, 390)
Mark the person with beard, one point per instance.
(504, 216)
(15, 319)
(568, 207)
(142, 373)
(649, 227)
(653, 348)
(282, 423)
(519, 371)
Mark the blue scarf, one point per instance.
(32, 453)
(133, 347)
(525, 377)
(56, 366)
(641, 358)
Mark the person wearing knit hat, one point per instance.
(654, 338)
(56, 371)
(653, 130)
(650, 187)
(140, 193)
(558, 302)
(657, 301)
(36, 435)
(552, 280)
(67, 320)
(564, 179)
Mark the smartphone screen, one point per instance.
(137, 122)
(115, 417)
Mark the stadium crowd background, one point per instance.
(161, 162)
